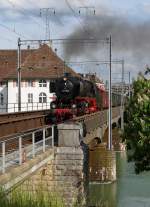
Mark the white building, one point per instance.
(40, 67)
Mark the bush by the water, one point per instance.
(137, 126)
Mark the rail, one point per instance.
(12, 123)
(17, 150)
(6, 116)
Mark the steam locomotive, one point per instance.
(78, 96)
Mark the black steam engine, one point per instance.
(73, 92)
(77, 96)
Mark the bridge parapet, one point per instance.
(18, 149)
(63, 167)
(18, 174)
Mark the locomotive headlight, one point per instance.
(53, 105)
(64, 78)
(74, 106)
(86, 105)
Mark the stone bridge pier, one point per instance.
(64, 170)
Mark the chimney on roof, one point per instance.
(28, 47)
(56, 50)
(40, 43)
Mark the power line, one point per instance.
(76, 16)
(55, 15)
(5, 38)
(81, 2)
(23, 11)
(11, 30)
(30, 16)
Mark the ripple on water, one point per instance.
(130, 190)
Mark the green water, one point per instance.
(130, 190)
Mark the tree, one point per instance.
(137, 126)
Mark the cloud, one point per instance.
(130, 39)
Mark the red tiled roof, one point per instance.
(37, 63)
(8, 62)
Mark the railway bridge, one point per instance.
(54, 157)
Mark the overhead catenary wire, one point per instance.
(76, 16)
(24, 12)
(5, 38)
(58, 19)
(30, 15)
(11, 30)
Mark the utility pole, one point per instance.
(129, 86)
(19, 74)
(64, 67)
(122, 98)
(47, 13)
(110, 96)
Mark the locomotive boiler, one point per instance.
(75, 92)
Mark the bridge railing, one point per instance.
(34, 106)
(17, 150)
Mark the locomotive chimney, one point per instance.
(66, 74)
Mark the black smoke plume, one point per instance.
(127, 37)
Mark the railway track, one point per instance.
(12, 123)
(6, 116)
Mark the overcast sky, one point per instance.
(127, 20)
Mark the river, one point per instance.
(130, 190)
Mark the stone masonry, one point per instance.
(102, 164)
(62, 176)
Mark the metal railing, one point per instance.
(17, 150)
(13, 107)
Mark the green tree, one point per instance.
(137, 123)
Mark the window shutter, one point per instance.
(33, 83)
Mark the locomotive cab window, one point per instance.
(42, 83)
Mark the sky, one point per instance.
(128, 21)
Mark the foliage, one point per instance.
(137, 126)
(20, 198)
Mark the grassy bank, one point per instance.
(23, 199)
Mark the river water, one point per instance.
(130, 190)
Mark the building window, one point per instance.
(42, 83)
(42, 98)
(30, 97)
(30, 83)
(2, 84)
(1, 99)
